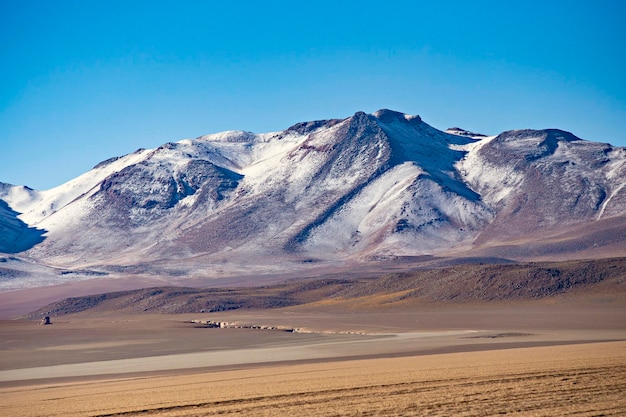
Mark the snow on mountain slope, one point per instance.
(418, 204)
(537, 180)
(36, 206)
(369, 186)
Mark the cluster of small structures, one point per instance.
(211, 324)
(235, 325)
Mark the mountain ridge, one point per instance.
(370, 186)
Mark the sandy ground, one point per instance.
(581, 380)
(554, 357)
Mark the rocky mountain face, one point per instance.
(372, 186)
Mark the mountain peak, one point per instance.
(533, 144)
(388, 116)
(550, 135)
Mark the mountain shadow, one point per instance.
(15, 235)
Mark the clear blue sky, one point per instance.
(82, 81)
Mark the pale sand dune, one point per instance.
(584, 379)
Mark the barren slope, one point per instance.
(460, 284)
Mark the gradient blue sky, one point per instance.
(82, 81)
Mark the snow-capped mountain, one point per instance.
(367, 187)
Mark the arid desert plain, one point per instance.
(368, 355)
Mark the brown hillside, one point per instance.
(459, 283)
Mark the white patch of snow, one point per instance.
(37, 205)
(494, 183)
